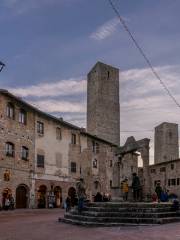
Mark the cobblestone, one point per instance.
(43, 224)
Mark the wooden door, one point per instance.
(21, 197)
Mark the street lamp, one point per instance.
(2, 65)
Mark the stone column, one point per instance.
(144, 150)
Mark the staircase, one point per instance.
(119, 214)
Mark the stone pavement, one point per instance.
(44, 225)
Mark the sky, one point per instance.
(49, 46)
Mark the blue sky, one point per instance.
(50, 45)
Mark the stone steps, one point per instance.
(105, 219)
(122, 214)
(131, 209)
(126, 214)
(116, 224)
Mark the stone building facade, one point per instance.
(16, 149)
(42, 157)
(168, 174)
(103, 109)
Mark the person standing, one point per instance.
(11, 199)
(136, 187)
(68, 203)
(7, 203)
(81, 193)
(125, 189)
(158, 191)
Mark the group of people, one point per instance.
(105, 197)
(8, 202)
(161, 194)
(136, 188)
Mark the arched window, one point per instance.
(24, 153)
(10, 112)
(9, 149)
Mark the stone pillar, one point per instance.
(144, 150)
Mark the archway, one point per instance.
(21, 196)
(58, 196)
(42, 196)
(72, 194)
(5, 194)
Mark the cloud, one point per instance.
(52, 89)
(20, 7)
(52, 106)
(144, 103)
(106, 30)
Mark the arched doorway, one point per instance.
(73, 196)
(5, 194)
(58, 196)
(21, 196)
(42, 196)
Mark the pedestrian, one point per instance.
(81, 193)
(158, 191)
(7, 203)
(136, 187)
(11, 199)
(125, 189)
(98, 197)
(68, 204)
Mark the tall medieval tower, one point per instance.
(166, 142)
(103, 110)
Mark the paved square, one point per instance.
(44, 225)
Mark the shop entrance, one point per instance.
(21, 196)
(58, 196)
(42, 196)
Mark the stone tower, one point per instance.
(103, 111)
(166, 142)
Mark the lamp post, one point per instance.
(2, 65)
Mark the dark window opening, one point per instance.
(173, 182)
(73, 167)
(22, 116)
(110, 163)
(110, 183)
(40, 161)
(10, 112)
(58, 133)
(24, 153)
(172, 166)
(95, 163)
(40, 127)
(9, 149)
(163, 169)
(73, 138)
(178, 181)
